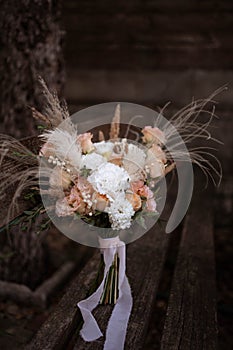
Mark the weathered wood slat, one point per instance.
(213, 41)
(148, 6)
(58, 329)
(150, 58)
(191, 315)
(153, 88)
(194, 22)
(149, 34)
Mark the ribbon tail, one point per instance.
(90, 330)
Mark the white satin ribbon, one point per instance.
(118, 322)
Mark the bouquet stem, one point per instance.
(110, 292)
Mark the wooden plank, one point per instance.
(141, 42)
(154, 87)
(82, 23)
(191, 314)
(109, 58)
(57, 330)
(147, 6)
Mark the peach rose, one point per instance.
(144, 191)
(151, 205)
(100, 201)
(83, 185)
(74, 198)
(153, 135)
(135, 200)
(85, 142)
(80, 196)
(136, 185)
(150, 201)
(59, 178)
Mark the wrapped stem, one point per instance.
(110, 292)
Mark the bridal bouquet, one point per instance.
(107, 182)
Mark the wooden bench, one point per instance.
(190, 321)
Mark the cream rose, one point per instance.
(153, 135)
(85, 142)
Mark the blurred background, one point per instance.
(143, 51)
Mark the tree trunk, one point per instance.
(31, 45)
(31, 42)
(23, 256)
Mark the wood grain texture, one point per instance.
(191, 315)
(57, 330)
(149, 6)
(136, 35)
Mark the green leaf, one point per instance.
(151, 213)
(41, 127)
(141, 221)
(85, 172)
(23, 154)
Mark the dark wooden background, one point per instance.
(147, 51)
(151, 52)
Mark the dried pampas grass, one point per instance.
(192, 124)
(115, 124)
(64, 145)
(54, 111)
(18, 171)
(19, 166)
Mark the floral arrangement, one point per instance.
(109, 182)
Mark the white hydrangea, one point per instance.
(120, 213)
(109, 179)
(104, 147)
(92, 161)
